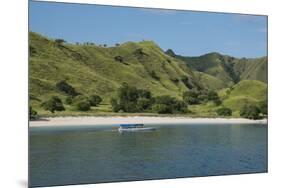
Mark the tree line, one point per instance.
(130, 99)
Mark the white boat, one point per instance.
(134, 128)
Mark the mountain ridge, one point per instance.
(227, 68)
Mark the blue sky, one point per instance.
(186, 32)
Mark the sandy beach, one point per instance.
(91, 120)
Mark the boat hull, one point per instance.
(136, 129)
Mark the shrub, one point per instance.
(224, 111)
(69, 100)
(167, 104)
(95, 100)
(154, 75)
(191, 97)
(250, 112)
(185, 81)
(212, 95)
(127, 99)
(175, 80)
(170, 52)
(144, 93)
(143, 104)
(66, 88)
(139, 52)
(201, 96)
(165, 99)
(217, 101)
(118, 58)
(161, 109)
(59, 42)
(32, 50)
(115, 105)
(53, 104)
(83, 105)
(179, 107)
(32, 114)
(263, 107)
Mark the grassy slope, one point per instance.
(245, 92)
(93, 70)
(212, 64)
(242, 93)
(209, 81)
(227, 70)
(252, 69)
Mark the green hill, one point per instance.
(100, 70)
(252, 69)
(93, 69)
(225, 68)
(209, 81)
(245, 92)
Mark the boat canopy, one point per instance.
(131, 125)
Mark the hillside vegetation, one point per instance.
(245, 92)
(93, 69)
(87, 79)
(225, 70)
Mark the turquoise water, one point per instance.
(84, 154)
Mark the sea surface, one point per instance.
(88, 154)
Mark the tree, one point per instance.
(83, 105)
(139, 51)
(32, 50)
(201, 96)
(131, 99)
(59, 41)
(191, 97)
(179, 107)
(170, 52)
(118, 58)
(185, 81)
(53, 104)
(263, 107)
(66, 88)
(250, 111)
(224, 111)
(154, 75)
(95, 100)
(143, 104)
(213, 96)
(161, 109)
(143, 93)
(32, 114)
(168, 104)
(139, 54)
(117, 44)
(69, 100)
(115, 105)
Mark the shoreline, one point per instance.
(115, 120)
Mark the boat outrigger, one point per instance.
(134, 127)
